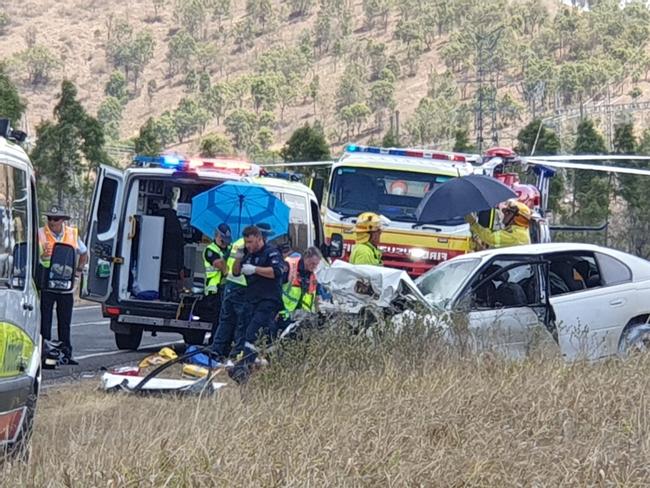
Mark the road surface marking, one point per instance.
(93, 322)
(87, 307)
(111, 353)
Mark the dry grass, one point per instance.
(343, 412)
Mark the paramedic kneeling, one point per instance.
(263, 267)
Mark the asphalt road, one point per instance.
(94, 346)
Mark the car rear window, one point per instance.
(613, 271)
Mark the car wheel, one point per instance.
(635, 340)
(129, 340)
(194, 337)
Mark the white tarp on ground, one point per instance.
(344, 280)
(111, 381)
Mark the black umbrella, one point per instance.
(461, 196)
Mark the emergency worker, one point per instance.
(368, 235)
(516, 220)
(300, 287)
(215, 259)
(263, 267)
(57, 231)
(234, 309)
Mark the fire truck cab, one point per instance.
(392, 182)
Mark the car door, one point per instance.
(101, 233)
(508, 313)
(590, 295)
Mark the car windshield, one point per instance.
(392, 193)
(441, 283)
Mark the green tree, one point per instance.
(109, 115)
(300, 8)
(214, 145)
(537, 135)
(633, 189)
(216, 100)
(545, 143)
(391, 139)
(265, 138)
(152, 86)
(193, 15)
(261, 12)
(4, 22)
(306, 144)
(314, 89)
(67, 147)
(39, 63)
(323, 31)
(461, 141)
(140, 55)
(241, 125)
(189, 118)
(148, 141)
(591, 190)
(624, 140)
(221, 10)
(181, 51)
(264, 91)
(116, 86)
(351, 87)
(11, 105)
(376, 9)
(382, 100)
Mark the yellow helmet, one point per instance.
(367, 222)
(522, 214)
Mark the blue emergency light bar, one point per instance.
(453, 157)
(167, 161)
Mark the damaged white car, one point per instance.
(590, 301)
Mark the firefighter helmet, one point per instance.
(521, 212)
(367, 222)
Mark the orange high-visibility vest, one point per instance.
(294, 297)
(46, 241)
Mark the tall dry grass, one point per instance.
(342, 410)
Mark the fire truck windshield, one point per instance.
(392, 193)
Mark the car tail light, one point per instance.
(112, 311)
(10, 423)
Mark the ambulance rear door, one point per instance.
(102, 232)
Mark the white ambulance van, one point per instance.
(140, 238)
(20, 336)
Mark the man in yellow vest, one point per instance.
(215, 259)
(300, 287)
(516, 221)
(57, 231)
(234, 308)
(368, 235)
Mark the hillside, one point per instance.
(80, 36)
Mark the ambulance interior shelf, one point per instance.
(164, 245)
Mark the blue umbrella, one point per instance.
(239, 205)
(461, 196)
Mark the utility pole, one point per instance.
(484, 41)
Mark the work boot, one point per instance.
(239, 374)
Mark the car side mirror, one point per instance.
(60, 275)
(335, 248)
(19, 265)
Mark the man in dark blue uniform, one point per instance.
(263, 267)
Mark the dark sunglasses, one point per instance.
(54, 219)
